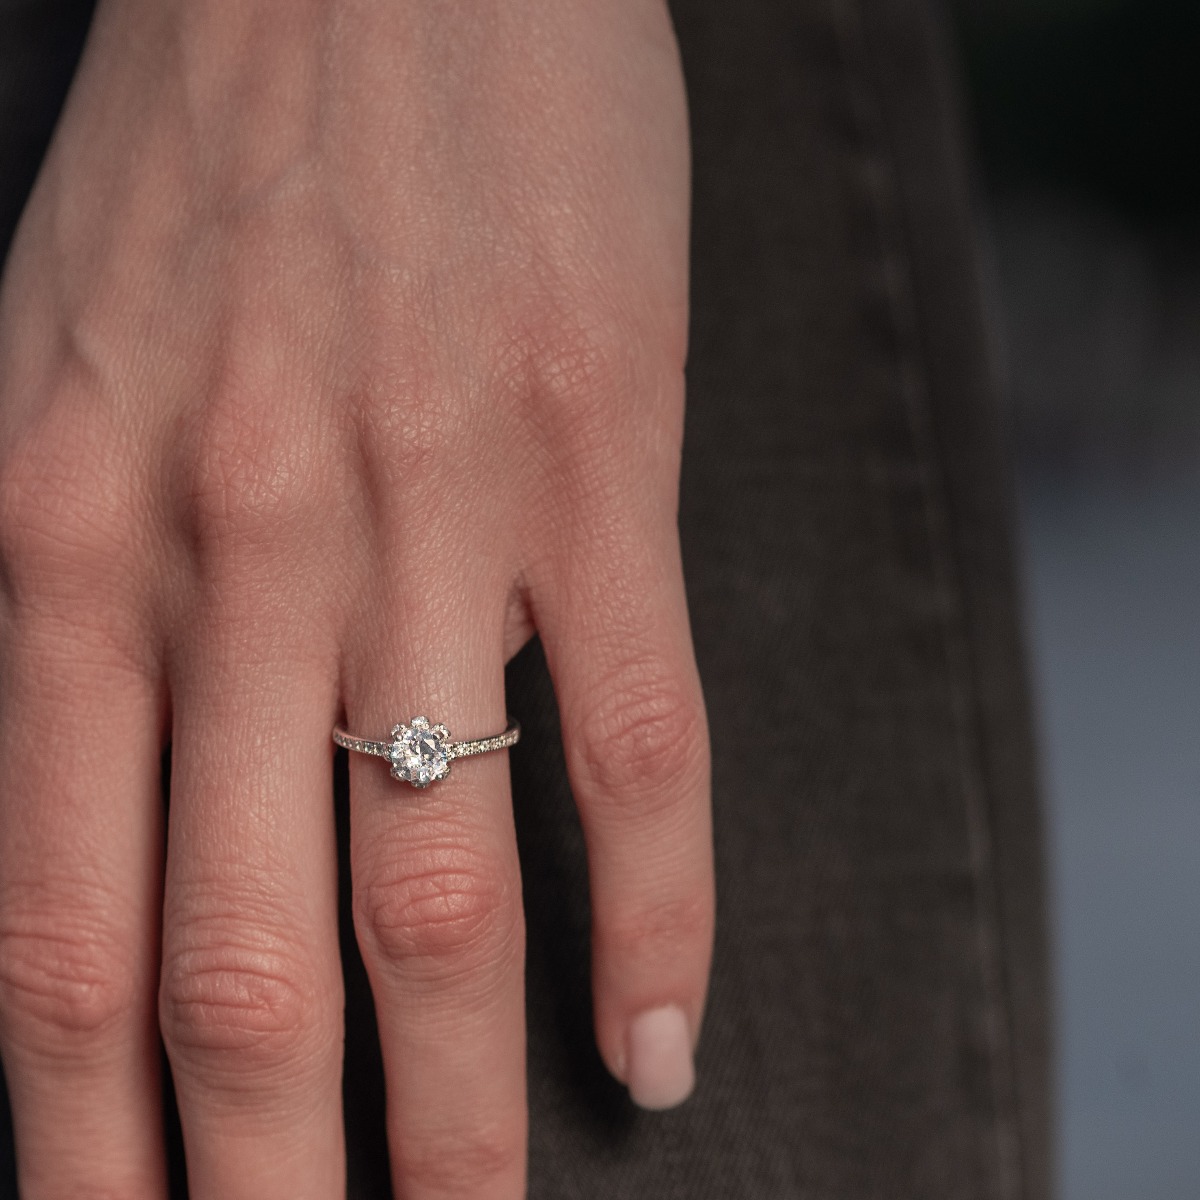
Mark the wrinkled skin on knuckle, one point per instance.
(460, 1162)
(242, 1003)
(66, 975)
(645, 743)
(438, 910)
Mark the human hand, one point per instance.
(341, 348)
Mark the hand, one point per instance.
(341, 347)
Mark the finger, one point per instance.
(250, 998)
(437, 902)
(80, 877)
(613, 621)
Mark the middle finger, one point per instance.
(250, 1000)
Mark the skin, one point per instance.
(341, 348)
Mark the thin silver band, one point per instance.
(498, 741)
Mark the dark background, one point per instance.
(1085, 115)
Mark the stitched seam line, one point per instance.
(895, 267)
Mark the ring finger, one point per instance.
(438, 900)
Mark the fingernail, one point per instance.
(659, 1070)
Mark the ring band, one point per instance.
(421, 753)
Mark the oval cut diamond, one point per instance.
(418, 754)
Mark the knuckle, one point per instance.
(602, 405)
(65, 975)
(647, 742)
(578, 372)
(460, 1163)
(405, 444)
(238, 998)
(438, 909)
(250, 476)
(581, 357)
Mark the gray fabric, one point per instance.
(878, 1019)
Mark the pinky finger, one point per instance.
(618, 643)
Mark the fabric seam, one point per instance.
(895, 258)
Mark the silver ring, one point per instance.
(421, 753)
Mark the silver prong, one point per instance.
(420, 722)
(442, 732)
(397, 731)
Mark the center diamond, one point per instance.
(418, 752)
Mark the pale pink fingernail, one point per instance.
(658, 1066)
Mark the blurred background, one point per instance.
(1086, 115)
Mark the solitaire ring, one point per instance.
(421, 753)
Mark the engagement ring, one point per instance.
(421, 753)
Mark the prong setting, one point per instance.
(419, 754)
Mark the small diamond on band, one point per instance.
(421, 753)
